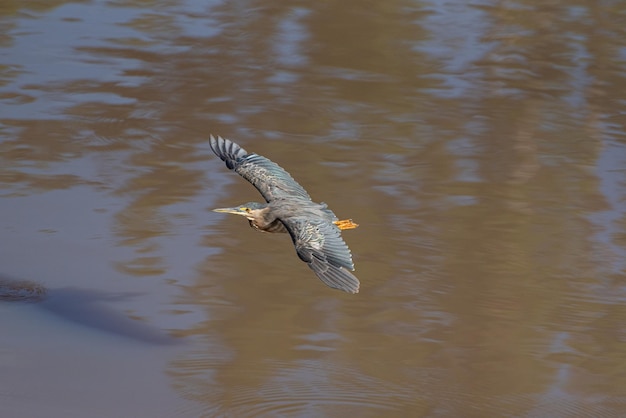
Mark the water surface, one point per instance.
(480, 146)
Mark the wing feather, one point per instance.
(270, 179)
(319, 244)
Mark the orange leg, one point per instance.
(346, 224)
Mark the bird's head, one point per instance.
(251, 210)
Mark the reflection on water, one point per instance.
(480, 146)
(83, 307)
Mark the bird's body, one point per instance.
(314, 229)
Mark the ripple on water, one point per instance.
(311, 388)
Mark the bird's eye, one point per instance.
(247, 209)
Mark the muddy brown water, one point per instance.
(480, 146)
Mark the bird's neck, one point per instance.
(267, 222)
(263, 219)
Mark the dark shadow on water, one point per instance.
(84, 307)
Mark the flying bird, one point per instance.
(314, 229)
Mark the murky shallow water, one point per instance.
(481, 147)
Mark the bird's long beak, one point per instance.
(234, 211)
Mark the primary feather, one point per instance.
(270, 179)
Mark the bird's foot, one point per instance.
(346, 224)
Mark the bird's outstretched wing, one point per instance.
(319, 244)
(268, 177)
